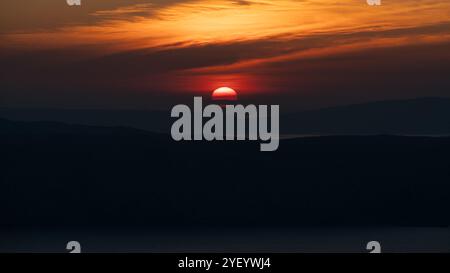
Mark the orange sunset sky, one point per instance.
(148, 54)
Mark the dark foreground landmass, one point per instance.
(67, 176)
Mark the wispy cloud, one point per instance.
(134, 40)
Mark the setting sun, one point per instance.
(224, 94)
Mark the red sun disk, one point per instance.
(224, 94)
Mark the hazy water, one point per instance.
(292, 136)
(317, 240)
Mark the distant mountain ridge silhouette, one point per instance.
(155, 121)
(8, 127)
(421, 116)
(424, 116)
